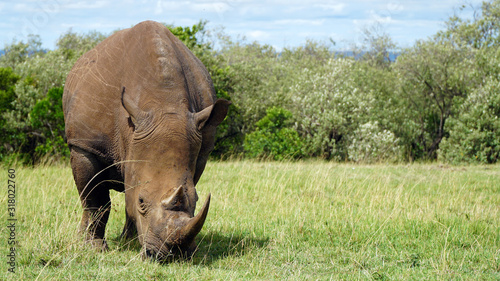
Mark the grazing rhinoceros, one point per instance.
(141, 113)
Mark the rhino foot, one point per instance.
(98, 244)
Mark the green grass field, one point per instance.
(297, 221)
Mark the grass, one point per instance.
(306, 220)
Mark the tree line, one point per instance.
(439, 100)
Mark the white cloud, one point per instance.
(395, 7)
(196, 6)
(159, 8)
(84, 5)
(292, 22)
(215, 7)
(258, 35)
(273, 22)
(335, 8)
(91, 26)
(379, 17)
(22, 7)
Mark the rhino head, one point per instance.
(165, 154)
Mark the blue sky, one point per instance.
(280, 23)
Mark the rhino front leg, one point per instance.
(94, 196)
(129, 230)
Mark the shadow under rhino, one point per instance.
(211, 247)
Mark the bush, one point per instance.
(475, 134)
(16, 134)
(8, 80)
(47, 121)
(327, 107)
(440, 95)
(274, 138)
(372, 144)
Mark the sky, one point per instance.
(280, 23)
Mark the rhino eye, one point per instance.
(143, 207)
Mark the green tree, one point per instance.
(256, 71)
(433, 78)
(8, 80)
(19, 139)
(73, 45)
(47, 122)
(328, 106)
(483, 31)
(19, 52)
(262, 77)
(377, 47)
(192, 36)
(475, 133)
(36, 71)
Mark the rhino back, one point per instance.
(156, 69)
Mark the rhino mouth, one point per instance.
(165, 253)
(158, 250)
(158, 255)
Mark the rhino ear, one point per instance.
(212, 115)
(136, 114)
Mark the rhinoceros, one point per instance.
(141, 114)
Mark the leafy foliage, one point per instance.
(190, 36)
(8, 80)
(437, 100)
(371, 144)
(47, 120)
(475, 134)
(31, 115)
(19, 52)
(257, 77)
(481, 32)
(273, 137)
(229, 137)
(474, 131)
(72, 45)
(432, 81)
(327, 107)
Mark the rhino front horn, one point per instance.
(194, 225)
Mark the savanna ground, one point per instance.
(271, 220)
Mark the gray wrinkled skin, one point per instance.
(141, 114)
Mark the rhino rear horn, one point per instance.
(176, 201)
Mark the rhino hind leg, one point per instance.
(94, 196)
